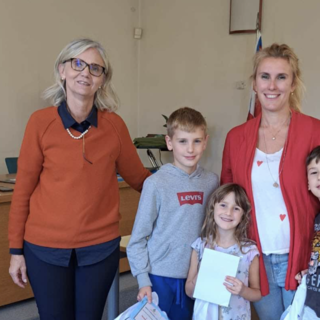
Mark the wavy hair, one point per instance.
(283, 51)
(105, 98)
(209, 230)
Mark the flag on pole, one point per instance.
(254, 106)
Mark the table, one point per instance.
(9, 292)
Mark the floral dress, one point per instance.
(239, 308)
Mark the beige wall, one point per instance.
(186, 57)
(33, 32)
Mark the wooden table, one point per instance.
(9, 292)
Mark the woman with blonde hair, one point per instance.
(266, 156)
(64, 218)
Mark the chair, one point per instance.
(12, 164)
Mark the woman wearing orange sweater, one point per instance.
(64, 218)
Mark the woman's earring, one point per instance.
(292, 93)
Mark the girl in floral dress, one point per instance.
(225, 230)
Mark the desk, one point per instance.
(9, 292)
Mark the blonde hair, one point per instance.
(105, 98)
(185, 119)
(209, 231)
(283, 51)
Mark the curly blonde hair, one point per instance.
(209, 228)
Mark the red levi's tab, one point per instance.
(190, 197)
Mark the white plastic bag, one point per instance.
(204, 310)
(295, 310)
(126, 314)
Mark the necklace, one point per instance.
(79, 137)
(274, 135)
(275, 181)
(83, 143)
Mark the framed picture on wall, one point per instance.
(245, 16)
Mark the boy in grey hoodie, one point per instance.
(170, 215)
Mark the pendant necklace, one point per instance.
(275, 181)
(274, 135)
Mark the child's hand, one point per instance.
(234, 285)
(299, 275)
(145, 291)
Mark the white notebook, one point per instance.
(214, 268)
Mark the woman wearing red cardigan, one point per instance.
(266, 156)
(64, 218)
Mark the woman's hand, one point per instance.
(18, 270)
(299, 275)
(145, 291)
(234, 285)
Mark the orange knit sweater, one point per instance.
(62, 201)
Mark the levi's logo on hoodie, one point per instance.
(190, 197)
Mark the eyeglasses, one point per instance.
(79, 65)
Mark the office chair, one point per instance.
(12, 165)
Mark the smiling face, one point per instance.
(82, 85)
(188, 148)
(313, 171)
(227, 214)
(274, 84)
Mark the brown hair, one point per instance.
(209, 228)
(283, 51)
(185, 119)
(313, 155)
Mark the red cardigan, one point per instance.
(302, 206)
(62, 201)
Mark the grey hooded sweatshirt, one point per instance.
(169, 219)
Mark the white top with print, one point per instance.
(271, 212)
(239, 308)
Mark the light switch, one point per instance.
(137, 33)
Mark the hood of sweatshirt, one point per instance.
(173, 170)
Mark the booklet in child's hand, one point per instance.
(147, 311)
(214, 268)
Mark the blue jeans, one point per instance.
(272, 306)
